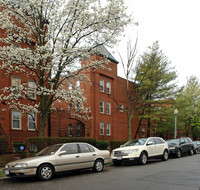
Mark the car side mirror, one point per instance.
(149, 143)
(62, 153)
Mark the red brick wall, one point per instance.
(117, 119)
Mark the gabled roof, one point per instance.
(102, 51)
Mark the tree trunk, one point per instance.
(43, 123)
(129, 128)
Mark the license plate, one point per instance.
(119, 158)
(7, 172)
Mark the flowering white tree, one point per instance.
(45, 39)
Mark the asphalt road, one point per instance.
(174, 174)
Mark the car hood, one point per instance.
(31, 159)
(128, 148)
(173, 145)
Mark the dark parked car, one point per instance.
(196, 147)
(180, 146)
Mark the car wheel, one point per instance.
(45, 172)
(143, 158)
(98, 165)
(178, 153)
(191, 152)
(165, 155)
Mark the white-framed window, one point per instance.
(101, 128)
(70, 87)
(15, 82)
(101, 85)
(121, 107)
(77, 84)
(108, 108)
(70, 106)
(108, 88)
(101, 106)
(31, 89)
(143, 131)
(32, 121)
(78, 129)
(108, 129)
(70, 130)
(16, 120)
(77, 107)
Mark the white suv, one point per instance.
(140, 150)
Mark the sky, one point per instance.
(175, 24)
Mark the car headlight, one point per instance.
(21, 165)
(172, 148)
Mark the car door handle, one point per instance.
(77, 156)
(94, 154)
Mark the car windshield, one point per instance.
(50, 150)
(173, 141)
(135, 142)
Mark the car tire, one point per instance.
(143, 158)
(191, 151)
(165, 155)
(178, 153)
(117, 163)
(98, 165)
(45, 172)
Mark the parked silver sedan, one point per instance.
(59, 158)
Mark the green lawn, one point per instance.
(2, 174)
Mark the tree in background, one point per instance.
(60, 34)
(154, 86)
(156, 83)
(188, 104)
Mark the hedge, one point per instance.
(116, 144)
(35, 144)
(102, 145)
(19, 146)
(4, 144)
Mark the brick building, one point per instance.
(14, 124)
(105, 96)
(108, 121)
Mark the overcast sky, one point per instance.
(175, 24)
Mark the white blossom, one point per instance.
(47, 40)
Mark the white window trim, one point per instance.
(70, 127)
(101, 80)
(121, 108)
(12, 80)
(70, 87)
(108, 109)
(13, 85)
(108, 125)
(78, 129)
(102, 112)
(101, 126)
(34, 122)
(20, 122)
(32, 91)
(109, 91)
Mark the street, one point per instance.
(174, 174)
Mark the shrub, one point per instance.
(4, 144)
(36, 144)
(19, 146)
(102, 145)
(116, 144)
